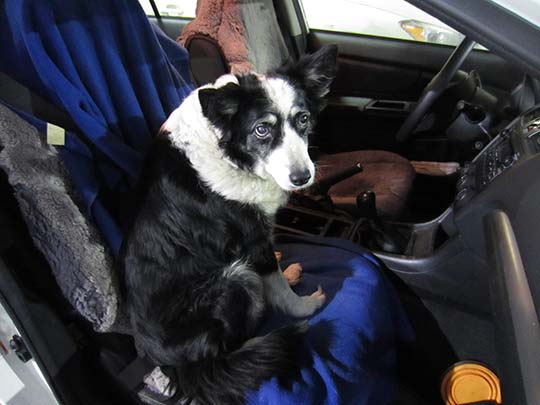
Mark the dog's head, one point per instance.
(263, 121)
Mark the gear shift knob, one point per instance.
(366, 204)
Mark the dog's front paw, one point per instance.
(319, 296)
(293, 273)
(310, 303)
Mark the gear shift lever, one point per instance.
(381, 236)
(366, 203)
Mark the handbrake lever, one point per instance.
(322, 186)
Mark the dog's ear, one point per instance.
(219, 104)
(316, 71)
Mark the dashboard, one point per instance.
(519, 140)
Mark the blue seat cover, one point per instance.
(115, 74)
(352, 341)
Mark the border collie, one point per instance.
(199, 262)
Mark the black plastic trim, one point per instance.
(423, 265)
(155, 9)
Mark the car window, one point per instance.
(171, 8)
(384, 18)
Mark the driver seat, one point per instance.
(227, 37)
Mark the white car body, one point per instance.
(370, 17)
(171, 8)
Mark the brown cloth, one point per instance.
(389, 175)
(241, 28)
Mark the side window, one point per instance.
(171, 8)
(383, 18)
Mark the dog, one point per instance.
(199, 263)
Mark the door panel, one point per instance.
(373, 68)
(404, 57)
(363, 78)
(344, 128)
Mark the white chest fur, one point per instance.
(192, 133)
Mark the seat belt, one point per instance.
(16, 95)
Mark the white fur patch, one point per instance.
(281, 93)
(252, 282)
(191, 132)
(292, 154)
(224, 80)
(235, 268)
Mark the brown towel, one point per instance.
(221, 20)
(435, 168)
(247, 32)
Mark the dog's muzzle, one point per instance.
(300, 178)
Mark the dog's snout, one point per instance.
(299, 178)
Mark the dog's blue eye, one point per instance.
(262, 131)
(303, 119)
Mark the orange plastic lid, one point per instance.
(469, 382)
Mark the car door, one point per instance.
(388, 52)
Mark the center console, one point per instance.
(516, 143)
(309, 222)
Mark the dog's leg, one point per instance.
(279, 294)
(293, 273)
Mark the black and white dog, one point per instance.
(199, 261)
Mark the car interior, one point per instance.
(427, 157)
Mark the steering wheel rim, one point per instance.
(435, 88)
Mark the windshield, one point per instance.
(527, 9)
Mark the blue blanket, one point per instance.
(351, 342)
(116, 76)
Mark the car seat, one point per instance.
(351, 344)
(228, 36)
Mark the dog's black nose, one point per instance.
(300, 178)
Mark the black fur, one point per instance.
(185, 313)
(221, 107)
(313, 74)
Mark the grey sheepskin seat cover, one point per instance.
(71, 244)
(69, 241)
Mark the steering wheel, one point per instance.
(435, 88)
